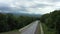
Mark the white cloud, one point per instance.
(40, 10)
(57, 4)
(33, 6)
(6, 1)
(12, 5)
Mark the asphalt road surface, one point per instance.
(30, 29)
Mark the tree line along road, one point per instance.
(33, 28)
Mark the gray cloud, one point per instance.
(40, 6)
(55, 0)
(5, 7)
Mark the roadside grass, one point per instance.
(38, 30)
(11, 32)
(48, 31)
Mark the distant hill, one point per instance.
(24, 14)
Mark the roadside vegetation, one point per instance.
(12, 32)
(51, 22)
(9, 22)
(48, 31)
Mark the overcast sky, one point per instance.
(29, 6)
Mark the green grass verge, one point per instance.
(48, 31)
(12, 32)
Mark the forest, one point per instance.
(10, 22)
(52, 20)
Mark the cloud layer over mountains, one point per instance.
(29, 6)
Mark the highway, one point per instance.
(33, 28)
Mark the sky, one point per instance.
(29, 6)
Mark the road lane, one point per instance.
(30, 29)
(38, 29)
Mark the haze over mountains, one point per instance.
(22, 14)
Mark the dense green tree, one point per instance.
(52, 20)
(10, 22)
